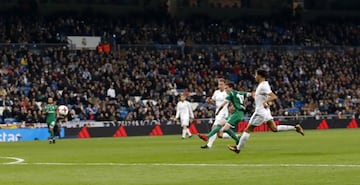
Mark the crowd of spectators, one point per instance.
(139, 84)
(142, 83)
(199, 30)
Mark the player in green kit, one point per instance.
(237, 99)
(50, 110)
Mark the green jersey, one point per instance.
(51, 113)
(237, 98)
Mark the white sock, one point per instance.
(211, 141)
(188, 132)
(285, 127)
(244, 137)
(226, 135)
(183, 133)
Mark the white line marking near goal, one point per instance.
(16, 160)
(187, 165)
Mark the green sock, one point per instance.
(233, 135)
(52, 134)
(214, 131)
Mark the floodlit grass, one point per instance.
(329, 157)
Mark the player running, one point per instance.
(263, 95)
(237, 98)
(218, 98)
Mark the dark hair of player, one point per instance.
(230, 84)
(262, 73)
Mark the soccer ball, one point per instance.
(63, 110)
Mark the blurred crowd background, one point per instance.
(314, 65)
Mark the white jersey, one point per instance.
(261, 113)
(184, 111)
(261, 94)
(219, 98)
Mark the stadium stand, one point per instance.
(314, 66)
(199, 30)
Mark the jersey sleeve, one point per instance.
(245, 94)
(267, 88)
(214, 95)
(229, 97)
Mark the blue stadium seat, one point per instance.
(26, 90)
(298, 104)
(10, 120)
(293, 110)
(233, 77)
(123, 113)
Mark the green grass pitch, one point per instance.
(321, 157)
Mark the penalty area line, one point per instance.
(186, 165)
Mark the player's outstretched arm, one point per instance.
(271, 97)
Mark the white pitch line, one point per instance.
(20, 161)
(16, 160)
(199, 165)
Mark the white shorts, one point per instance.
(184, 122)
(260, 116)
(219, 117)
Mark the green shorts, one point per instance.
(51, 124)
(234, 118)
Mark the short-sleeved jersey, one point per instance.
(237, 98)
(51, 113)
(261, 94)
(184, 110)
(219, 98)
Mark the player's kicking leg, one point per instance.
(256, 121)
(212, 139)
(213, 132)
(271, 124)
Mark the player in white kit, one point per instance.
(218, 98)
(185, 113)
(262, 114)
